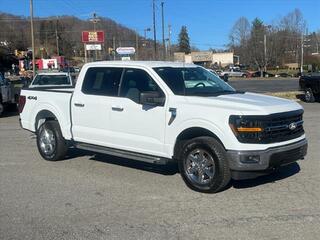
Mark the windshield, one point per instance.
(51, 80)
(193, 81)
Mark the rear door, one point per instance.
(91, 105)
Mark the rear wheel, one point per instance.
(308, 96)
(1, 108)
(203, 165)
(51, 144)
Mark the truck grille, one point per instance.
(276, 128)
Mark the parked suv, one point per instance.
(310, 84)
(162, 111)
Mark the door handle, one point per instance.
(79, 104)
(118, 109)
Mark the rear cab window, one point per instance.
(102, 81)
(59, 79)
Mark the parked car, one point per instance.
(161, 111)
(265, 74)
(310, 84)
(51, 79)
(234, 72)
(224, 77)
(7, 96)
(284, 75)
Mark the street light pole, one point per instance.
(95, 20)
(32, 39)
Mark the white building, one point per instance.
(207, 58)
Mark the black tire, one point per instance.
(308, 95)
(1, 108)
(221, 176)
(244, 75)
(59, 145)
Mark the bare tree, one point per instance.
(240, 32)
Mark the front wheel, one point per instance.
(51, 144)
(203, 165)
(308, 96)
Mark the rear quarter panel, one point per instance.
(57, 102)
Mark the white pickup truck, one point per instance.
(162, 111)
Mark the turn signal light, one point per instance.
(249, 129)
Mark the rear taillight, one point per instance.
(22, 102)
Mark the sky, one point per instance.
(208, 21)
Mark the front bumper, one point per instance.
(242, 163)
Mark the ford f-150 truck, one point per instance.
(162, 111)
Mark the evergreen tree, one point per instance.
(184, 41)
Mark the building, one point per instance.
(207, 58)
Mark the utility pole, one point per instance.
(163, 40)
(301, 64)
(32, 39)
(169, 41)
(114, 47)
(154, 29)
(137, 45)
(57, 38)
(265, 52)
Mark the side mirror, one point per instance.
(152, 98)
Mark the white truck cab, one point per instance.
(164, 111)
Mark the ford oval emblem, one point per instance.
(292, 126)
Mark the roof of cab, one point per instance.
(150, 64)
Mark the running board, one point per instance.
(122, 153)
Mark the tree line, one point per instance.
(62, 36)
(262, 46)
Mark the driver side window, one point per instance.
(136, 81)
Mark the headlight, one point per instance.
(242, 124)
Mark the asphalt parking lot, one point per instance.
(90, 196)
(269, 85)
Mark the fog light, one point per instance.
(250, 158)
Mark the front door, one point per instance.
(136, 127)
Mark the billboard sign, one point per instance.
(93, 36)
(125, 50)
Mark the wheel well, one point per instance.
(42, 117)
(192, 133)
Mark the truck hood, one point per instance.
(248, 103)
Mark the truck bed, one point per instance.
(53, 99)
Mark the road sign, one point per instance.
(93, 36)
(92, 47)
(125, 50)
